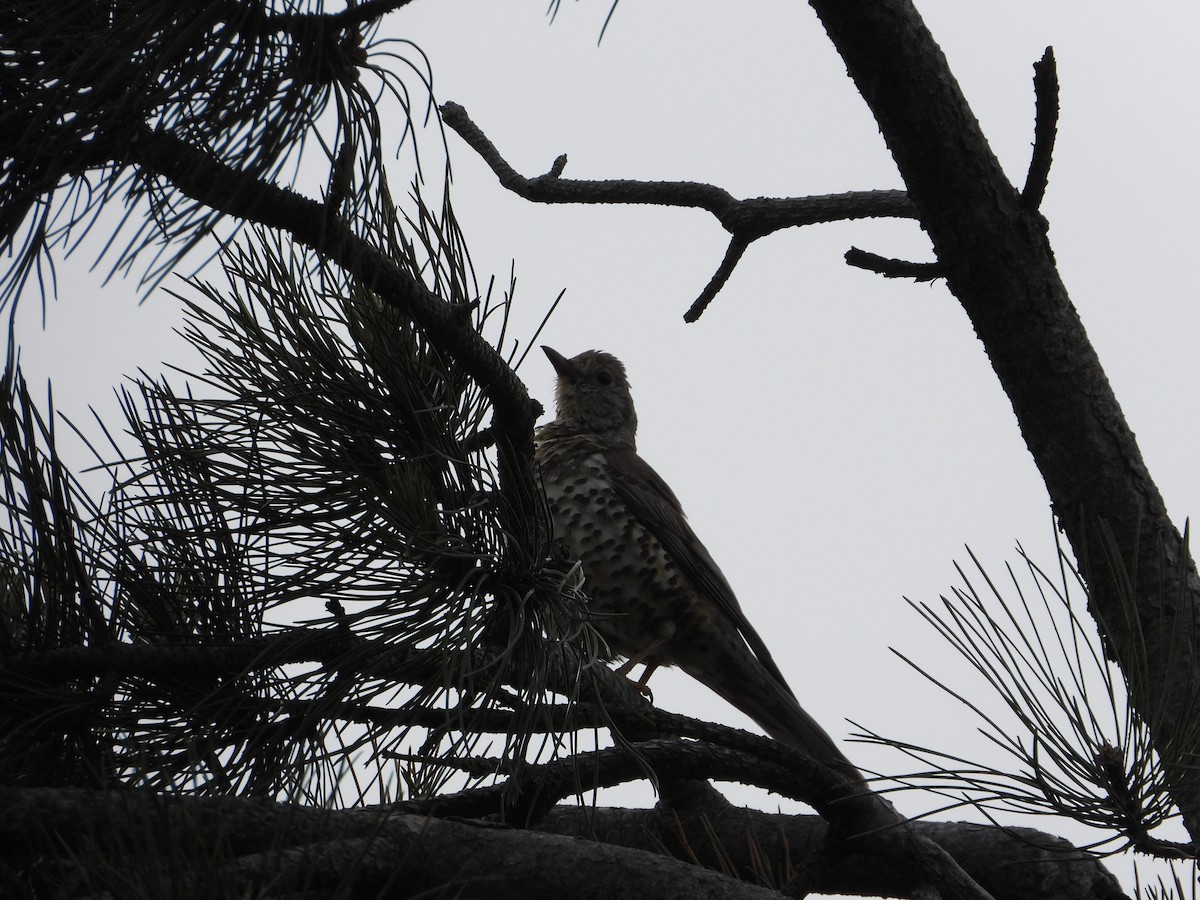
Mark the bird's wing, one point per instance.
(653, 502)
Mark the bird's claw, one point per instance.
(643, 689)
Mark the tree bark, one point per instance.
(577, 851)
(997, 260)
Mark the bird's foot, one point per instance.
(640, 685)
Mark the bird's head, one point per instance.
(593, 394)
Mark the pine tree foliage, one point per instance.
(321, 497)
(84, 82)
(1052, 702)
(339, 476)
(55, 559)
(309, 565)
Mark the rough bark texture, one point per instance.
(241, 843)
(1010, 863)
(998, 262)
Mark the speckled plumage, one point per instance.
(660, 598)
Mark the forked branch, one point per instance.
(746, 220)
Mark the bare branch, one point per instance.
(1045, 88)
(747, 220)
(551, 188)
(737, 246)
(893, 268)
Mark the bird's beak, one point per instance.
(561, 364)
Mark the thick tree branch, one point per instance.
(999, 264)
(746, 220)
(263, 838)
(615, 698)
(861, 824)
(1007, 863)
(356, 853)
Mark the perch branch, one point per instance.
(865, 822)
(1012, 862)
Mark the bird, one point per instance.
(656, 595)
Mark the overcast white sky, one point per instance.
(835, 438)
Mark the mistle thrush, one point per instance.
(658, 596)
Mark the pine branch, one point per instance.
(446, 326)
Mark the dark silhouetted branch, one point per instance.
(893, 268)
(737, 246)
(1010, 863)
(198, 660)
(747, 220)
(1000, 266)
(1045, 129)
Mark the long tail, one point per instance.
(751, 688)
(783, 718)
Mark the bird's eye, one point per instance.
(604, 377)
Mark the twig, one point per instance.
(341, 180)
(893, 268)
(737, 246)
(1045, 128)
